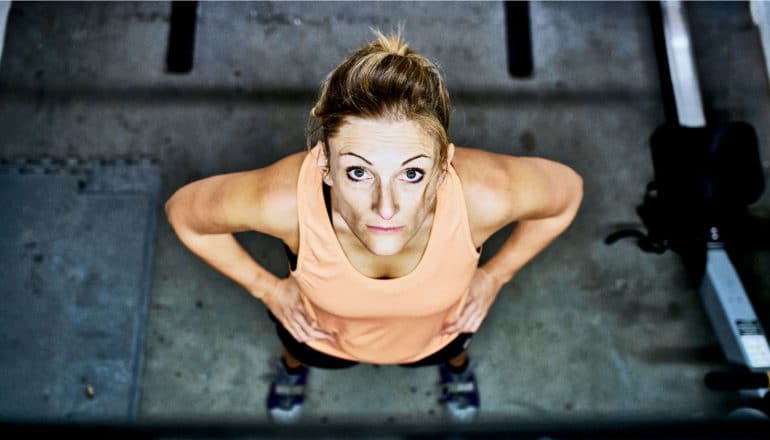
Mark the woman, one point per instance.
(383, 221)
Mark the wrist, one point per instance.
(500, 278)
(262, 285)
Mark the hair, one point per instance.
(384, 79)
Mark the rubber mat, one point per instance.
(77, 244)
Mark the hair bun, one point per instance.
(392, 44)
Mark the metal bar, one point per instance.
(732, 316)
(5, 8)
(760, 14)
(684, 77)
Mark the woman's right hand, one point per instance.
(285, 303)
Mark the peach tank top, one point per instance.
(383, 321)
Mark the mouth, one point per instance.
(385, 230)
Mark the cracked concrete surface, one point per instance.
(585, 330)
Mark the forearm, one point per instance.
(226, 255)
(528, 239)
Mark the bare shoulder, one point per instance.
(275, 195)
(262, 200)
(501, 189)
(481, 177)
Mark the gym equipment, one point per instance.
(760, 15)
(706, 174)
(5, 8)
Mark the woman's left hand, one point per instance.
(483, 291)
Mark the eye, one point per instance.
(356, 174)
(414, 175)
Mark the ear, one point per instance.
(450, 154)
(323, 163)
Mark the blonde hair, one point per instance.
(384, 79)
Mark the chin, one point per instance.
(385, 248)
(385, 251)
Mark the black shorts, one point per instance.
(311, 357)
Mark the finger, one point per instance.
(296, 332)
(474, 326)
(457, 324)
(310, 329)
(290, 324)
(316, 333)
(452, 326)
(466, 321)
(299, 317)
(299, 322)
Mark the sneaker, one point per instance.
(459, 393)
(287, 393)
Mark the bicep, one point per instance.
(213, 205)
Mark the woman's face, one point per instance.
(378, 169)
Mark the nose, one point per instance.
(385, 202)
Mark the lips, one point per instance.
(381, 229)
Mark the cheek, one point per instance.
(353, 203)
(412, 205)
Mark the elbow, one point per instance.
(573, 197)
(175, 217)
(579, 188)
(577, 197)
(167, 208)
(170, 209)
(571, 183)
(180, 216)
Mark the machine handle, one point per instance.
(719, 380)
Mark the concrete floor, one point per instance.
(585, 331)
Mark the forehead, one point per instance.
(382, 137)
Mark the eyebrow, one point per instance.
(402, 163)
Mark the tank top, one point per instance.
(382, 321)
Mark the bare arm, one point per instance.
(543, 197)
(205, 214)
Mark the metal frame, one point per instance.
(5, 9)
(727, 305)
(684, 77)
(760, 14)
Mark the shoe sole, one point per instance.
(285, 416)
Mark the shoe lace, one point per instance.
(287, 384)
(459, 388)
